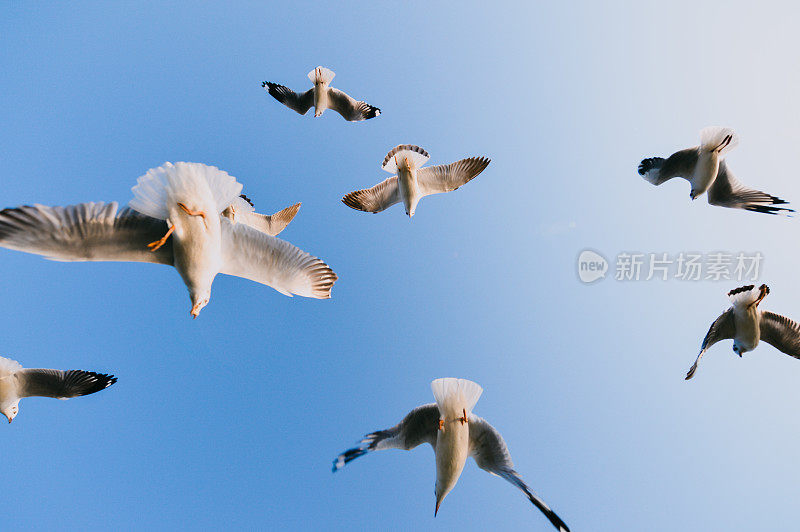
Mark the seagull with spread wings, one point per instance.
(455, 433)
(322, 96)
(705, 168)
(747, 325)
(413, 181)
(183, 201)
(17, 382)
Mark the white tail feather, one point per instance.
(712, 136)
(415, 155)
(183, 182)
(321, 75)
(454, 395)
(744, 295)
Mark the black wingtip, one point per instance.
(89, 382)
(248, 200)
(648, 164)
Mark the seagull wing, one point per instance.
(271, 224)
(723, 328)
(447, 177)
(419, 426)
(60, 384)
(84, 232)
(781, 333)
(249, 253)
(375, 199)
(490, 452)
(300, 103)
(658, 170)
(351, 109)
(727, 191)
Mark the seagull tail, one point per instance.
(453, 395)
(746, 295)
(321, 75)
(415, 155)
(719, 138)
(183, 182)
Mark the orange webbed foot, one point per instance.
(160, 242)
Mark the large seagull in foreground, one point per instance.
(703, 166)
(413, 181)
(455, 433)
(17, 382)
(175, 219)
(322, 96)
(747, 325)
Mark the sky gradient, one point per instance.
(232, 420)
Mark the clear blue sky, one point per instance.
(232, 420)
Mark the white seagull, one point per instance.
(185, 201)
(703, 166)
(17, 382)
(747, 325)
(322, 96)
(454, 432)
(243, 211)
(413, 182)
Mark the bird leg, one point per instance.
(727, 140)
(163, 240)
(762, 295)
(463, 419)
(441, 424)
(193, 213)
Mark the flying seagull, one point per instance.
(747, 325)
(242, 210)
(184, 201)
(413, 182)
(704, 167)
(17, 382)
(454, 432)
(322, 96)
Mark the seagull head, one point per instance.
(10, 410)
(199, 300)
(738, 349)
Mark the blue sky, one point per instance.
(232, 420)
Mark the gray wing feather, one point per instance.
(781, 333)
(351, 109)
(375, 199)
(447, 177)
(727, 191)
(271, 224)
(419, 426)
(60, 384)
(679, 164)
(84, 232)
(300, 103)
(265, 259)
(723, 328)
(490, 452)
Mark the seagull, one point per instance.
(17, 382)
(704, 167)
(454, 432)
(747, 325)
(181, 200)
(322, 96)
(242, 210)
(413, 182)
